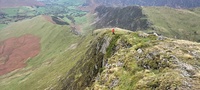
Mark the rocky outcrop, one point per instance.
(83, 74)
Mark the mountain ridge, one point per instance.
(130, 58)
(169, 3)
(179, 23)
(99, 59)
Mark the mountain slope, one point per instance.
(53, 60)
(130, 18)
(170, 22)
(135, 60)
(175, 23)
(126, 60)
(17, 3)
(143, 61)
(170, 3)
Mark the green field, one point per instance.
(56, 8)
(70, 2)
(10, 11)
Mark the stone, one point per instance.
(105, 44)
(119, 64)
(140, 51)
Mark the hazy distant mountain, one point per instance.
(170, 3)
(16, 3)
(130, 17)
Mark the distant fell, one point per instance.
(170, 3)
(130, 17)
(170, 22)
(17, 3)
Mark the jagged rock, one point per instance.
(105, 44)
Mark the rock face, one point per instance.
(130, 18)
(88, 67)
(170, 3)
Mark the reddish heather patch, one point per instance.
(48, 18)
(15, 51)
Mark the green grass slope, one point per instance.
(2, 26)
(54, 60)
(175, 23)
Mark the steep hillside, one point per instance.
(170, 3)
(175, 23)
(139, 61)
(38, 71)
(135, 60)
(17, 3)
(124, 61)
(130, 18)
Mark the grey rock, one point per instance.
(119, 64)
(140, 51)
(161, 38)
(142, 34)
(105, 44)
